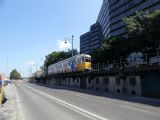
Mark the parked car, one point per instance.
(6, 82)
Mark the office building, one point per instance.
(113, 12)
(91, 40)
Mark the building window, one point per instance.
(106, 81)
(132, 81)
(118, 81)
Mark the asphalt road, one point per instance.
(41, 103)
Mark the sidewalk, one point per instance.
(9, 110)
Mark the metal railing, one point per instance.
(134, 62)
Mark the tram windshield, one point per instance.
(87, 59)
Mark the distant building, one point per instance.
(111, 16)
(85, 43)
(2, 76)
(91, 40)
(39, 73)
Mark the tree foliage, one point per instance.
(113, 48)
(15, 75)
(144, 30)
(143, 35)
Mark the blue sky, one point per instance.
(30, 29)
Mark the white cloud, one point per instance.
(62, 45)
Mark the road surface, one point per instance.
(41, 103)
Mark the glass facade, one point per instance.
(91, 40)
(110, 19)
(104, 19)
(114, 11)
(85, 43)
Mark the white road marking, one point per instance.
(125, 104)
(18, 105)
(79, 112)
(111, 103)
(70, 106)
(133, 108)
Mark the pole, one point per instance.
(36, 68)
(72, 45)
(72, 57)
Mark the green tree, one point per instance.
(144, 32)
(69, 53)
(154, 28)
(113, 48)
(15, 75)
(97, 56)
(143, 35)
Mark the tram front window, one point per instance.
(87, 60)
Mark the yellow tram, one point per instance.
(80, 62)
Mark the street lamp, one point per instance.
(72, 43)
(72, 51)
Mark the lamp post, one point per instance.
(72, 51)
(72, 43)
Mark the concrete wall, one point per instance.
(107, 84)
(134, 85)
(72, 82)
(138, 85)
(150, 85)
(115, 84)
